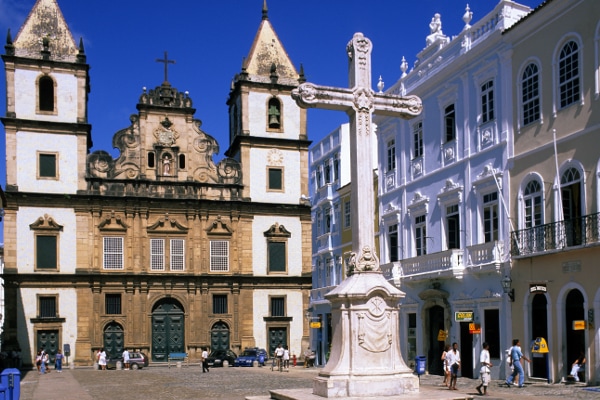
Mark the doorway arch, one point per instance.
(539, 328)
(168, 329)
(575, 339)
(219, 336)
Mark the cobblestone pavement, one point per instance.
(158, 382)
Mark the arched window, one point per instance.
(568, 74)
(46, 93)
(571, 196)
(274, 114)
(182, 161)
(530, 92)
(533, 210)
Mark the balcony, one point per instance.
(444, 264)
(559, 235)
(486, 257)
(318, 295)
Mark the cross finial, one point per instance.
(166, 61)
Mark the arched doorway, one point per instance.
(168, 334)
(575, 340)
(219, 336)
(539, 328)
(435, 347)
(113, 340)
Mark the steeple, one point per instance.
(265, 10)
(45, 34)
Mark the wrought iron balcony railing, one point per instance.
(556, 235)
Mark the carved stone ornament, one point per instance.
(367, 261)
(165, 135)
(374, 327)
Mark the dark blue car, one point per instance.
(249, 356)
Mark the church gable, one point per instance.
(113, 223)
(167, 225)
(219, 227)
(45, 29)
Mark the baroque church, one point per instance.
(161, 249)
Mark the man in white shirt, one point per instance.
(453, 357)
(279, 356)
(126, 359)
(205, 360)
(485, 371)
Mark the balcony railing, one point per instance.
(486, 256)
(449, 262)
(556, 235)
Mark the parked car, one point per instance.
(216, 358)
(137, 360)
(248, 356)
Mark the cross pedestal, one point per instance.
(365, 358)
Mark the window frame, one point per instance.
(120, 264)
(214, 257)
(420, 231)
(493, 205)
(449, 123)
(217, 305)
(54, 298)
(394, 243)
(283, 300)
(47, 233)
(347, 214)
(487, 101)
(39, 82)
(417, 131)
(391, 155)
(113, 296)
(453, 214)
(569, 78)
(272, 242)
(39, 156)
(530, 95)
(270, 187)
(279, 105)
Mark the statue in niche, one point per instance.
(166, 165)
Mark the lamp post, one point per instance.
(506, 287)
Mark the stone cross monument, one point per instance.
(365, 358)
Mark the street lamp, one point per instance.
(506, 286)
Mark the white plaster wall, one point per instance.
(65, 146)
(291, 177)
(258, 116)
(66, 239)
(294, 309)
(26, 96)
(27, 309)
(294, 244)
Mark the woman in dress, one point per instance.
(102, 359)
(446, 366)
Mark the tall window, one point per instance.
(327, 168)
(490, 217)
(275, 177)
(450, 123)
(47, 307)
(418, 139)
(112, 303)
(276, 256)
(277, 306)
(220, 304)
(453, 227)
(568, 74)
(46, 94)
(46, 251)
(113, 252)
(487, 101)
(347, 214)
(420, 235)
(157, 254)
(177, 255)
(391, 155)
(336, 168)
(530, 92)
(532, 202)
(47, 165)
(327, 220)
(219, 255)
(393, 235)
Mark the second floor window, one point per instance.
(490, 217)
(532, 203)
(391, 155)
(530, 92)
(568, 74)
(450, 123)
(420, 235)
(220, 304)
(418, 139)
(47, 166)
(327, 220)
(219, 255)
(277, 306)
(46, 94)
(275, 177)
(347, 214)
(47, 307)
(112, 303)
(393, 235)
(487, 102)
(453, 227)
(113, 253)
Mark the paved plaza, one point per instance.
(160, 382)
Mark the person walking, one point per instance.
(279, 356)
(453, 358)
(205, 360)
(485, 371)
(516, 356)
(286, 358)
(102, 359)
(126, 359)
(58, 359)
(446, 367)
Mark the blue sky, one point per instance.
(208, 40)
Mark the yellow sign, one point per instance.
(474, 329)
(442, 335)
(315, 325)
(539, 345)
(578, 325)
(463, 316)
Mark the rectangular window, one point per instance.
(568, 74)
(490, 217)
(420, 235)
(487, 102)
(177, 254)
(327, 169)
(418, 139)
(391, 155)
(157, 254)
(347, 214)
(113, 253)
(530, 93)
(112, 303)
(220, 304)
(393, 234)
(453, 226)
(336, 168)
(277, 256)
(533, 211)
(450, 123)
(412, 336)
(277, 306)
(47, 307)
(46, 251)
(327, 220)
(275, 179)
(47, 165)
(219, 255)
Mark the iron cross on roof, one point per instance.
(166, 61)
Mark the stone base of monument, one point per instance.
(367, 386)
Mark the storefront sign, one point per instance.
(539, 345)
(442, 335)
(538, 289)
(463, 316)
(578, 325)
(315, 325)
(474, 329)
